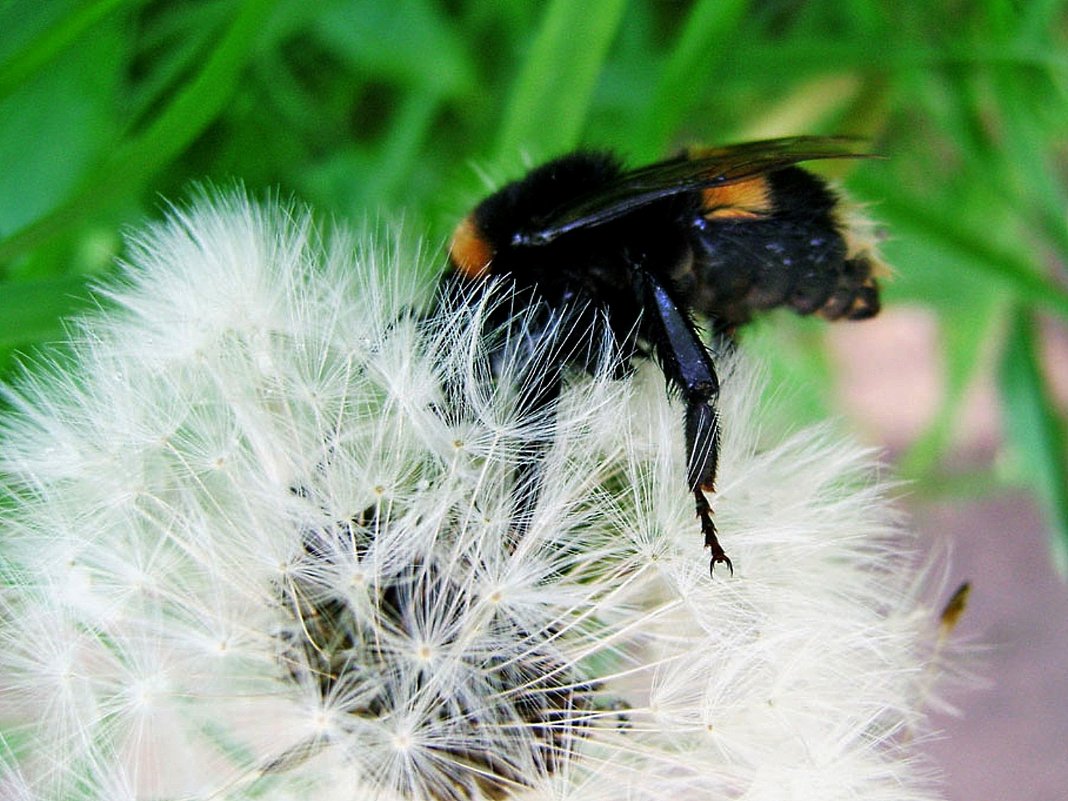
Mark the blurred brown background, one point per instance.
(1010, 738)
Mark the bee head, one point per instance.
(498, 223)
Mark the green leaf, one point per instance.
(551, 96)
(55, 125)
(410, 41)
(703, 42)
(1001, 267)
(31, 311)
(46, 47)
(1035, 430)
(190, 112)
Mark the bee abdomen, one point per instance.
(793, 255)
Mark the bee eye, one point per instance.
(469, 251)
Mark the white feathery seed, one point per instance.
(258, 539)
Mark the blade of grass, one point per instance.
(1026, 150)
(1009, 270)
(181, 35)
(410, 128)
(804, 56)
(1039, 17)
(964, 337)
(193, 108)
(1035, 430)
(551, 94)
(702, 42)
(30, 311)
(39, 52)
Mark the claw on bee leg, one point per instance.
(708, 528)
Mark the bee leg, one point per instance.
(688, 367)
(702, 442)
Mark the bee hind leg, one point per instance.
(688, 367)
(702, 441)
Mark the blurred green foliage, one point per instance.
(390, 108)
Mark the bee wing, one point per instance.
(697, 168)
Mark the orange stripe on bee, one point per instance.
(469, 251)
(739, 201)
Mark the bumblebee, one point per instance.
(639, 255)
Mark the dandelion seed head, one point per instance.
(259, 538)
